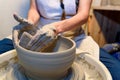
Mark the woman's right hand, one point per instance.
(22, 20)
(24, 25)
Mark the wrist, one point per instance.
(30, 21)
(64, 26)
(58, 30)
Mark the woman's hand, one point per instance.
(23, 26)
(62, 26)
(44, 38)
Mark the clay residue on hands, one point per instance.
(44, 44)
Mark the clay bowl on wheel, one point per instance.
(53, 65)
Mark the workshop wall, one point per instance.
(7, 8)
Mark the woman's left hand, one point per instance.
(43, 38)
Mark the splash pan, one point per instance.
(85, 67)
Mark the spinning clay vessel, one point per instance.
(48, 65)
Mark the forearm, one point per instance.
(77, 20)
(33, 14)
(71, 23)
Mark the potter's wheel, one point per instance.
(15, 72)
(81, 69)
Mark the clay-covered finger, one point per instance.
(47, 46)
(38, 42)
(33, 41)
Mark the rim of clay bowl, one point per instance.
(48, 53)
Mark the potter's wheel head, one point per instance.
(93, 70)
(16, 72)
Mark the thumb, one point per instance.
(22, 20)
(18, 18)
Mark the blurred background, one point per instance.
(103, 23)
(7, 8)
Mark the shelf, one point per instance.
(104, 24)
(110, 8)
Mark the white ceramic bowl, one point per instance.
(48, 65)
